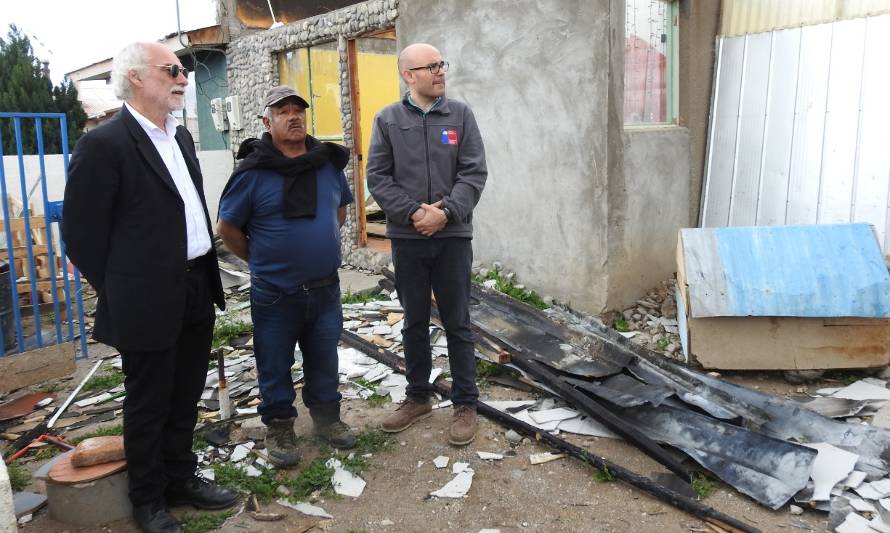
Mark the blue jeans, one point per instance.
(442, 265)
(314, 319)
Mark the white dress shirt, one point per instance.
(167, 147)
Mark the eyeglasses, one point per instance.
(434, 68)
(173, 70)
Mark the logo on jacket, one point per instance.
(449, 136)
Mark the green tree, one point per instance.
(26, 88)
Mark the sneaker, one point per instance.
(409, 412)
(463, 427)
(281, 443)
(337, 434)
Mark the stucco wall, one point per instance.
(536, 75)
(211, 82)
(655, 206)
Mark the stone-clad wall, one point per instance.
(253, 68)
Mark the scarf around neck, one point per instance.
(300, 183)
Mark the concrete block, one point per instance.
(78, 504)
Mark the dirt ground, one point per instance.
(510, 495)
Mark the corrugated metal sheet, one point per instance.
(799, 126)
(829, 270)
(742, 17)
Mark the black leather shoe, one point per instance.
(154, 518)
(200, 493)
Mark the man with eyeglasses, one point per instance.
(426, 169)
(135, 223)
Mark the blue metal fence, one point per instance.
(25, 340)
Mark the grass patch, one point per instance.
(199, 443)
(702, 486)
(227, 329)
(316, 476)
(106, 431)
(373, 441)
(19, 477)
(202, 522)
(47, 452)
(507, 287)
(263, 486)
(486, 369)
(104, 382)
(350, 297)
(603, 475)
(662, 343)
(620, 323)
(378, 400)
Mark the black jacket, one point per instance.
(123, 223)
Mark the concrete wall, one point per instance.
(643, 233)
(216, 166)
(699, 22)
(536, 74)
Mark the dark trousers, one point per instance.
(163, 389)
(314, 319)
(444, 266)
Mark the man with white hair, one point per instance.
(135, 223)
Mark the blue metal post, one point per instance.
(50, 253)
(13, 287)
(26, 217)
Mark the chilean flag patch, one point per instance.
(449, 136)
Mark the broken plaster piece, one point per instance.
(241, 451)
(586, 426)
(434, 374)
(861, 505)
(345, 482)
(855, 479)
(863, 390)
(457, 468)
(305, 508)
(457, 487)
(854, 523)
(553, 415)
(831, 466)
(441, 461)
(489, 456)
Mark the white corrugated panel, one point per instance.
(742, 17)
(799, 127)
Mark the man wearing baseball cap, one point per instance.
(281, 211)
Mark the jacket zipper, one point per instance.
(426, 148)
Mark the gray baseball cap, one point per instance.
(279, 93)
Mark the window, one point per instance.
(650, 51)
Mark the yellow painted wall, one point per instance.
(294, 68)
(754, 16)
(378, 82)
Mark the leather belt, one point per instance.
(317, 284)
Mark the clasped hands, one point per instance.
(429, 219)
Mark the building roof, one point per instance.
(97, 99)
(826, 270)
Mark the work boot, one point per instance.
(409, 412)
(281, 443)
(337, 434)
(463, 426)
(154, 518)
(200, 493)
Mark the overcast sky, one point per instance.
(71, 34)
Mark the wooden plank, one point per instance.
(18, 224)
(358, 169)
(36, 366)
(21, 252)
(789, 343)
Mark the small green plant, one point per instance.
(603, 475)
(507, 287)
(19, 477)
(47, 452)
(662, 343)
(357, 531)
(262, 486)
(378, 400)
(227, 329)
(316, 476)
(844, 376)
(620, 323)
(101, 432)
(702, 486)
(199, 443)
(372, 441)
(360, 297)
(104, 381)
(203, 522)
(486, 369)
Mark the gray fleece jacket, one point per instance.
(419, 158)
